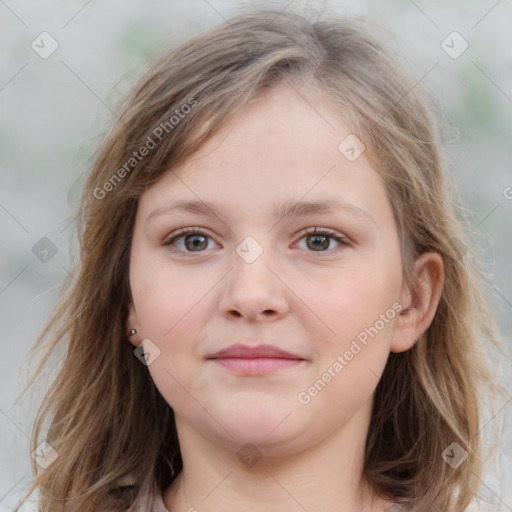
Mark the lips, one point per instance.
(240, 351)
(244, 360)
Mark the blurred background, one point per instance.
(65, 65)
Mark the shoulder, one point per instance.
(481, 507)
(149, 500)
(474, 506)
(160, 505)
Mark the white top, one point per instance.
(159, 505)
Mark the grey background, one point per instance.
(55, 112)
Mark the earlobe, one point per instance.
(420, 302)
(132, 326)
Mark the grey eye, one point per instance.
(196, 242)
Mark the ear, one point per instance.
(419, 301)
(132, 322)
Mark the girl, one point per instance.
(276, 306)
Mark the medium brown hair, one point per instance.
(103, 413)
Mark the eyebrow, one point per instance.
(293, 208)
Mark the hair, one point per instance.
(103, 414)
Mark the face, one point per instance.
(252, 276)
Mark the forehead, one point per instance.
(282, 119)
(284, 145)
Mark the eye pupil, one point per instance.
(324, 241)
(198, 241)
(317, 242)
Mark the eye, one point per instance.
(319, 239)
(194, 240)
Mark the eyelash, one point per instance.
(180, 233)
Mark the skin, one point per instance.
(307, 300)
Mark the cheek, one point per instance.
(171, 305)
(351, 361)
(360, 311)
(172, 319)
(355, 296)
(165, 297)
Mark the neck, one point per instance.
(327, 476)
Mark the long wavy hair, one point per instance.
(102, 412)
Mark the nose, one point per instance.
(254, 290)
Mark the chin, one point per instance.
(268, 430)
